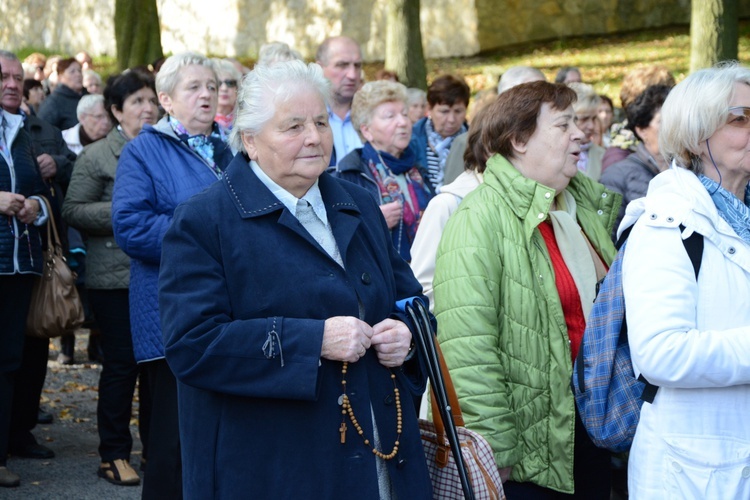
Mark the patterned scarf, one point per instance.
(399, 179)
(202, 145)
(441, 147)
(731, 208)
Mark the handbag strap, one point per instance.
(441, 457)
(51, 227)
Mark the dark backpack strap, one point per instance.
(624, 236)
(694, 248)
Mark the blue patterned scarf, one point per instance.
(203, 145)
(731, 208)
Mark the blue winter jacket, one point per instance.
(419, 141)
(19, 173)
(156, 173)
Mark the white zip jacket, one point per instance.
(690, 339)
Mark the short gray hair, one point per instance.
(695, 109)
(372, 95)
(414, 96)
(274, 52)
(169, 73)
(516, 75)
(587, 96)
(226, 67)
(6, 54)
(87, 103)
(266, 86)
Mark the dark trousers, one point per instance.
(591, 471)
(27, 391)
(15, 297)
(119, 373)
(163, 477)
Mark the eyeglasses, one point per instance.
(739, 116)
(229, 83)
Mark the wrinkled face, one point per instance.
(138, 109)
(586, 120)
(447, 120)
(294, 147)
(417, 111)
(389, 129)
(96, 122)
(72, 77)
(730, 144)
(227, 91)
(550, 156)
(193, 100)
(12, 85)
(93, 85)
(343, 69)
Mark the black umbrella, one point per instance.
(425, 339)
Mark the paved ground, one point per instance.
(70, 394)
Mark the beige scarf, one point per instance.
(582, 260)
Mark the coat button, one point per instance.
(547, 195)
(540, 216)
(677, 467)
(746, 472)
(388, 400)
(600, 212)
(366, 278)
(731, 250)
(401, 463)
(670, 219)
(604, 195)
(653, 216)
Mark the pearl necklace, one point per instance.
(347, 410)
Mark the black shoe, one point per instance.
(43, 417)
(32, 450)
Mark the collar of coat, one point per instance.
(531, 201)
(253, 199)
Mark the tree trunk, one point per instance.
(137, 33)
(403, 43)
(713, 32)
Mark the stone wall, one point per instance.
(239, 27)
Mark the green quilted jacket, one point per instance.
(500, 322)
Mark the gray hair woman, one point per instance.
(688, 334)
(229, 80)
(274, 52)
(386, 165)
(278, 309)
(587, 119)
(180, 156)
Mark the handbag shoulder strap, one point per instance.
(51, 226)
(441, 457)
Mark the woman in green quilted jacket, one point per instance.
(516, 274)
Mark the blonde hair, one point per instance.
(695, 109)
(372, 95)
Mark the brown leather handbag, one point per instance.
(56, 307)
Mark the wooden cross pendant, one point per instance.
(342, 430)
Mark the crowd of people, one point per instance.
(248, 235)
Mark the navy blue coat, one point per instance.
(257, 422)
(156, 172)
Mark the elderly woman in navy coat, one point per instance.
(277, 294)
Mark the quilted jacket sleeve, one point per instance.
(467, 302)
(83, 208)
(138, 219)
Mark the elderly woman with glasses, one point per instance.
(278, 294)
(180, 156)
(229, 79)
(690, 335)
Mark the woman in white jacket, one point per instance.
(692, 339)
